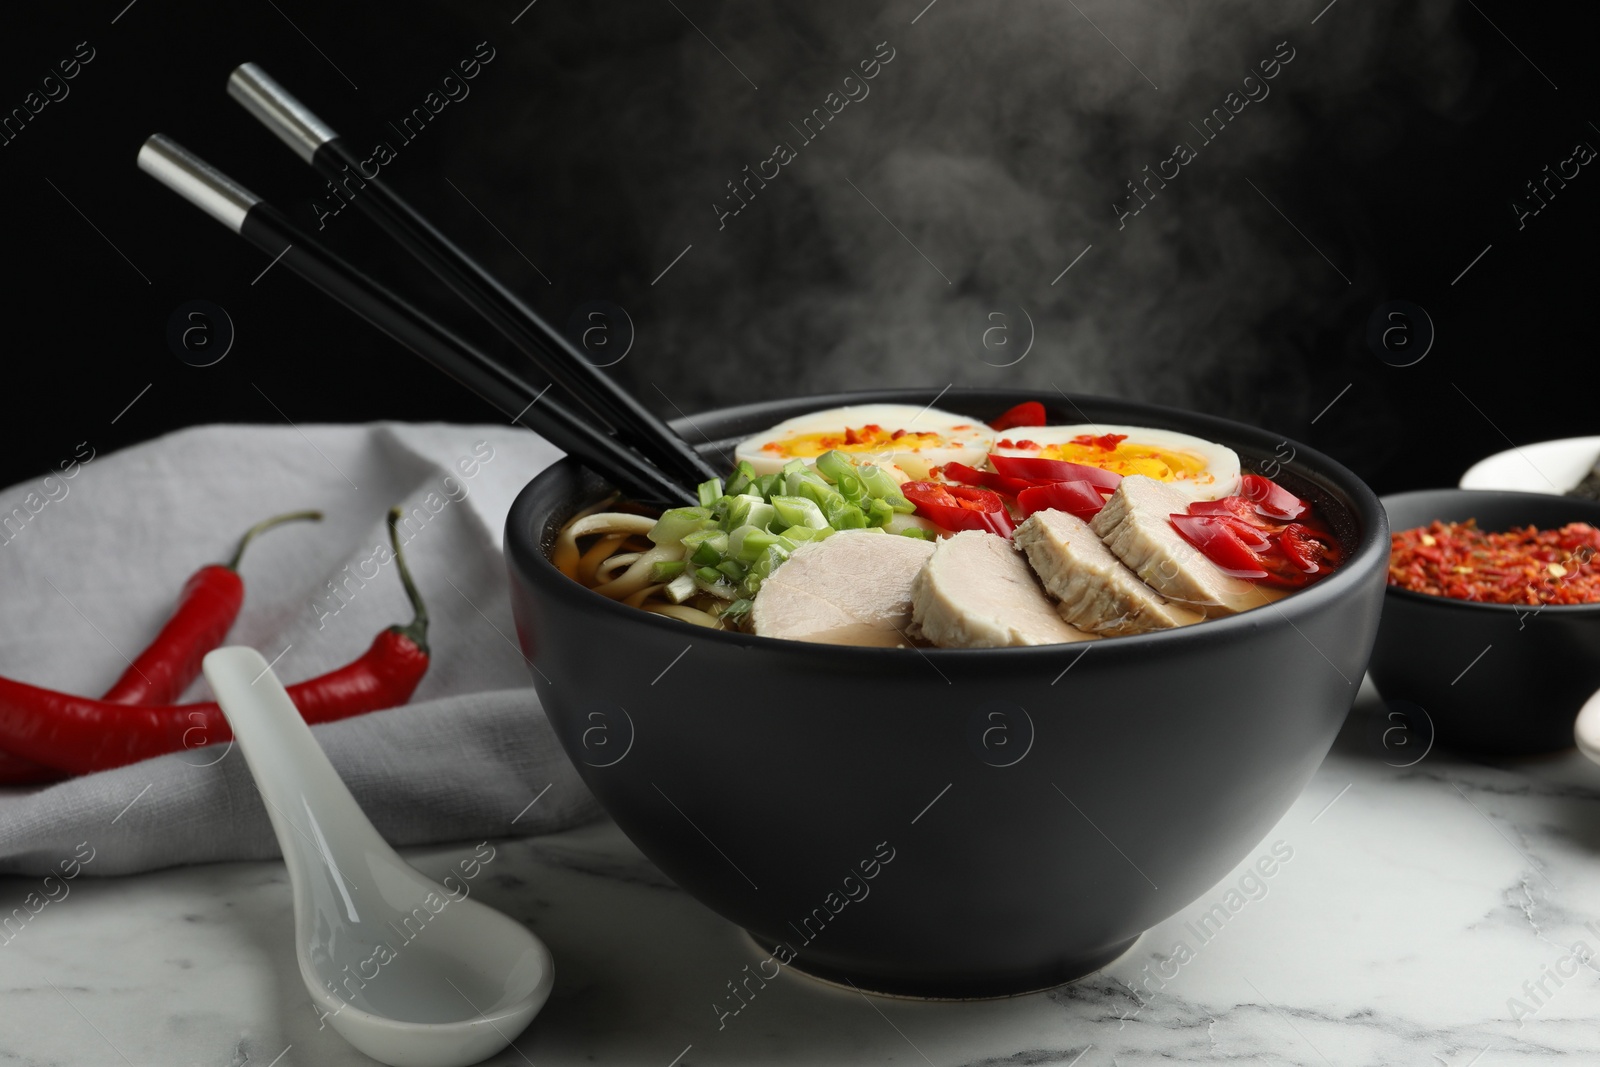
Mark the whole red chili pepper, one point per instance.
(14, 770)
(80, 735)
(207, 607)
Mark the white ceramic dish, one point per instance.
(1546, 467)
(1586, 731)
(472, 979)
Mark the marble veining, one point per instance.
(1445, 913)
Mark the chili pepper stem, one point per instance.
(417, 629)
(265, 525)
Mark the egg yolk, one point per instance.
(869, 438)
(1114, 452)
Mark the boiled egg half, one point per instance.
(1203, 469)
(906, 439)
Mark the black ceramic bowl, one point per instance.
(957, 822)
(1491, 678)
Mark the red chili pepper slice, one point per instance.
(1106, 442)
(207, 607)
(1312, 551)
(1254, 535)
(960, 472)
(1076, 498)
(959, 507)
(1046, 471)
(1272, 499)
(80, 735)
(1236, 506)
(1027, 413)
(1221, 543)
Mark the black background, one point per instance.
(86, 327)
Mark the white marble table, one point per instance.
(1416, 904)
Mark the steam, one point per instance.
(997, 140)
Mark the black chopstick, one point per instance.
(264, 226)
(315, 142)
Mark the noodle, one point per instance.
(600, 552)
(564, 553)
(637, 576)
(605, 571)
(637, 600)
(609, 552)
(687, 614)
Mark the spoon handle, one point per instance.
(317, 821)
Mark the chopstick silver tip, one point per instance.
(278, 110)
(197, 181)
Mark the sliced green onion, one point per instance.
(743, 475)
(879, 513)
(753, 544)
(881, 485)
(734, 509)
(709, 491)
(761, 515)
(834, 465)
(841, 514)
(677, 523)
(820, 493)
(919, 533)
(800, 535)
(722, 589)
(799, 511)
(666, 570)
(737, 538)
(744, 528)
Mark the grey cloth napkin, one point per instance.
(91, 562)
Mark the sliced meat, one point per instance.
(854, 588)
(1135, 526)
(977, 591)
(1095, 590)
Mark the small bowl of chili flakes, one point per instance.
(1491, 621)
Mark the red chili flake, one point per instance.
(1523, 565)
(897, 435)
(1031, 446)
(851, 437)
(1105, 442)
(1005, 442)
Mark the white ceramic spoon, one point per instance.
(1586, 731)
(408, 971)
